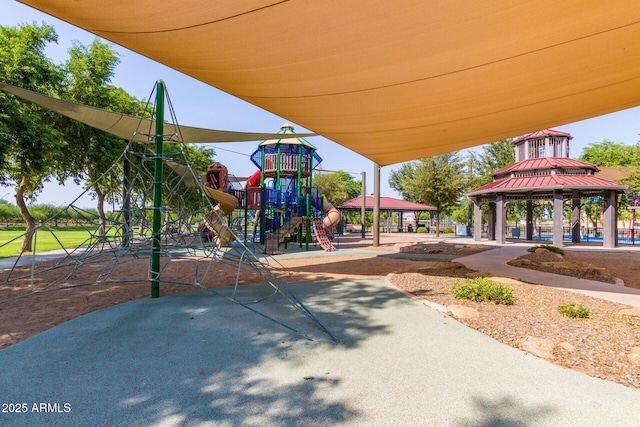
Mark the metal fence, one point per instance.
(587, 234)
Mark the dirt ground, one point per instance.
(23, 317)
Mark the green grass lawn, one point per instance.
(45, 239)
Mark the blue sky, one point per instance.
(197, 104)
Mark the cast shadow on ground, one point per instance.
(506, 412)
(193, 358)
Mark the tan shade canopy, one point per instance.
(125, 126)
(392, 80)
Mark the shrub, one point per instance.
(550, 248)
(482, 289)
(447, 230)
(423, 230)
(570, 310)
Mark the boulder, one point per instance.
(540, 347)
(463, 312)
(634, 355)
(567, 346)
(634, 311)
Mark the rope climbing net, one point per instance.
(117, 245)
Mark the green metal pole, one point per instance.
(310, 185)
(127, 234)
(298, 189)
(263, 200)
(157, 191)
(278, 160)
(263, 214)
(299, 177)
(308, 222)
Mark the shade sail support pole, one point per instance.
(376, 205)
(363, 209)
(157, 191)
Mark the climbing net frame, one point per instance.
(125, 235)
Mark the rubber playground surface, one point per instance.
(196, 358)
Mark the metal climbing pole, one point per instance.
(157, 191)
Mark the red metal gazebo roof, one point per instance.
(548, 182)
(387, 204)
(542, 134)
(545, 163)
(547, 173)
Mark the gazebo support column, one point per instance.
(491, 226)
(575, 217)
(529, 219)
(610, 219)
(477, 219)
(501, 219)
(557, 218)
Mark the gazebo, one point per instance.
(544, 171)
(388, 204)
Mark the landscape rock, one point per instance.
(463, 312)
(634, 311)
(547, 253)
(540, 347)
(567, 346)
(634, 355)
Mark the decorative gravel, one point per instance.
(607, 345)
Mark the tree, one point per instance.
(609, 153)
(8, 212)
(89, 153)
(494, 156)
(337, 187)
(29, 144)
(438, 181)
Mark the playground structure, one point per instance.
(162, 185)
(279, 197)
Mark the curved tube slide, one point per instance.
(228, 202)
(332, 217)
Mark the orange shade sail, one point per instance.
(392, 81)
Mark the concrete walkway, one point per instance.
(495, 261)
(198, 359)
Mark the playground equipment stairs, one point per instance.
(282, 233)
(321, 234)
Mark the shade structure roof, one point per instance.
(546, 174)
(617, 173)
(545, 183)
(544, 163)
(387, 204)
(287, 136)
(129, 127)
(543, 133)
(287, 142)
(393, 81)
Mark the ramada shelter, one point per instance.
(544, 171)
